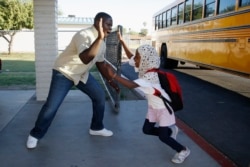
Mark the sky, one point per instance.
(129, 13)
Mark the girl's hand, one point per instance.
(119, 35)
(111, 72)
(111, 82)
(114, 85)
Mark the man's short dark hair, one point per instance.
(101, 15)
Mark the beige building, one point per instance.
(74, 23)
(66, 28)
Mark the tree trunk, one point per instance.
(11, 41)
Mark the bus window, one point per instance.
(180, 13)
(156, 22)
(187, 11)
(168, 18)
(209, 8)
(213, 40)
(174, 16)
(160, 21)
(226, 6)
(197, 9)
(244, 3)
(164, 20)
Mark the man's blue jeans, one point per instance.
(60, 86)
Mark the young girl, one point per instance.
(146, 58)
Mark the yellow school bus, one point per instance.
(208, 33)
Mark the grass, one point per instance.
(18, 72)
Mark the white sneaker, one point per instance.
(174, 131)
(181, 156)
(31, 142)
(103, 132)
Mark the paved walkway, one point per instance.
(68, 144)
(216, 112)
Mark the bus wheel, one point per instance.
(166, 62)
(163, 56)
(172, 63)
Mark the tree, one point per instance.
(14, 16)
(144, 31)
(60, 12)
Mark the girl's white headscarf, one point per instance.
(149, 60)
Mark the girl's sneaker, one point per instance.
(181, 156)
(103, 132)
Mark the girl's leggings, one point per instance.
(163, 133)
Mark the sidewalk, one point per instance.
(68, 144)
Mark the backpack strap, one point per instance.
(156, 70)
(153, 70)
(165, 101)
(158, 93)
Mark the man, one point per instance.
(86, 49)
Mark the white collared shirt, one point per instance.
(69, 63)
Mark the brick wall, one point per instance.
(46, 47)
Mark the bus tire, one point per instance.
(165, 61)
(163, 56)
(172, 63)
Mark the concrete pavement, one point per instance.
(68, 144)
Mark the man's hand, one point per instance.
(101, 34)
(88, 54)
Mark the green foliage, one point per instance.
(144, 32)
(16, 14)
(132, 32)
